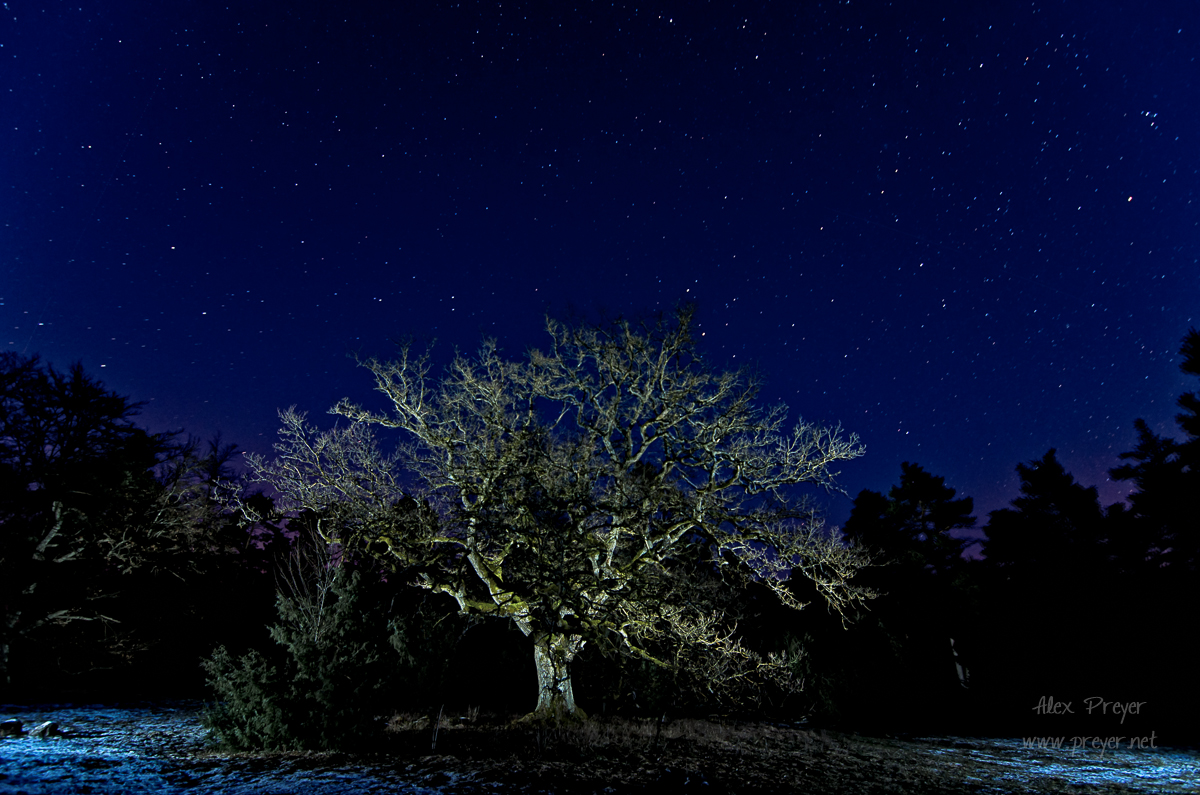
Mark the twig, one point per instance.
(436, 724)
(658, 733)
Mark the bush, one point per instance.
(345, 661)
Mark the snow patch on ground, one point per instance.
(1150, 769)
(153, 750)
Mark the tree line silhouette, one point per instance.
(127, 558)
(1071, 600)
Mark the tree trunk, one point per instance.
(552, 654)
(5, 676)
(7, 632)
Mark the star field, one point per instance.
(968, 235)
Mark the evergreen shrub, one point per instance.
(344, 660)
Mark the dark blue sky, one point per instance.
(967, 234)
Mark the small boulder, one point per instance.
(44, 730)
(10, 728)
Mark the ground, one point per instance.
(161, 749)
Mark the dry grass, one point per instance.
(624, 754)
(476, 753)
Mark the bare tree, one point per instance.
(566, 492)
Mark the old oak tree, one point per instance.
(578, 491)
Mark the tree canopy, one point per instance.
(574, 491)
(1166, 474)
(912, 524)
(1056, 524)
(76, 485)
(88, 498)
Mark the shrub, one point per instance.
(345, 660)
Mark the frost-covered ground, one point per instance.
(108, 750)
(1149, 770)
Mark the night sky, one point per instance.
(967, 234)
